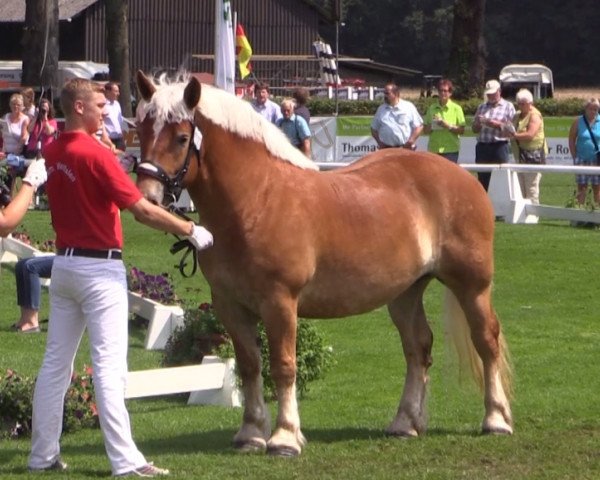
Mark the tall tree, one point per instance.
(117, 45)
(40, 44)
(466, 66)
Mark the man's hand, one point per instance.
(200, 237)
(36, 174)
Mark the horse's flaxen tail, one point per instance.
(456, 329)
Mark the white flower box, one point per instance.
(163, 319)
(12, 250)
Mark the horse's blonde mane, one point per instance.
(224, 110)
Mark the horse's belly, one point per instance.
(350, 296)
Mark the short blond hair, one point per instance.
(288, 102)
(77, 89)
(16, 97)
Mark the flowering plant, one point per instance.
(16, 396)
(80, 408)
(202, 334)
(45, 246)
(155, 287)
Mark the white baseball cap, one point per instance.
(491, 86)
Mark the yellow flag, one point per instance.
(243, 51)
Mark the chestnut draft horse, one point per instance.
(291, 241)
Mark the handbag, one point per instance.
(593, 138)
(537, 156)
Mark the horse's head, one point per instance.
(169, 142)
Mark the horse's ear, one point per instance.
(191, 94)
(145, 86)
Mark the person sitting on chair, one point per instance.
(28, 272)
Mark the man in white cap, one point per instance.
(489, 123)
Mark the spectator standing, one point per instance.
(396, 123)
(295, 127)
(113, 120)
(264, 105)
(530, 142)
(29, 103)
(584, 142)
(42, 130)
(28, 272)
(301, 96)
(489, 123)
(87, 189)
(444, 123)
(14, 137)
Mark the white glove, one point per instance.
(201, 238)
(36, 173)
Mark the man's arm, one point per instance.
(160, 219)
(412, 140)
(375, 135)
(305, 147)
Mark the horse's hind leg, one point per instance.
(408, 315)
(489, 343)
(242, 328)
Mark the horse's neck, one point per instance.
(234, 168)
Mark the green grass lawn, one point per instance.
(546, 296)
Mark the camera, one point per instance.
(4, 194)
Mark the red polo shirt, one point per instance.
(86, 189)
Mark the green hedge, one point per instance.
(549, 106)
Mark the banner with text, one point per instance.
(346, 139)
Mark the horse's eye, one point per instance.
(183, 140)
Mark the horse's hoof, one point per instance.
(401, 432)
(250, 447)
(406, 435)
(283, 451)
(496, 431)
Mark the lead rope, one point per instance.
(182, 243)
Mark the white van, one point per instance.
(11, 72)
(535, 77)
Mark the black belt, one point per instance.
(111, 254)
(383, 145)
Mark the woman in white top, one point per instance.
(16, 135)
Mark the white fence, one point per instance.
(505, 193)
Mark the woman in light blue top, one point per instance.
(584, 144)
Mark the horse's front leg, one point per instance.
(280, 317)
(242, 328)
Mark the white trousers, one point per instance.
(92, 293)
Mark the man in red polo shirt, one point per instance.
(86, 189)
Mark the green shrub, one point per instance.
(202, 334)
(550, 107)
(16, 404)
